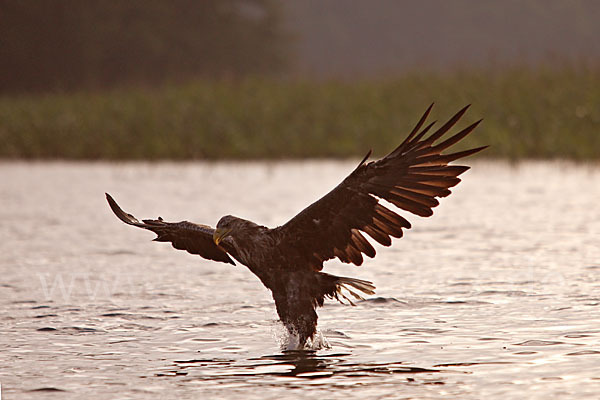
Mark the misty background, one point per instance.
(242, 74)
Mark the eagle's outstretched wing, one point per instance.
(194, 238)
(410, 177)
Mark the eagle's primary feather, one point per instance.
(288, 259)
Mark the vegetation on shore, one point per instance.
(528, 113)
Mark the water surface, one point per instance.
(497, 295)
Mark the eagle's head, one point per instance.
(233, 229)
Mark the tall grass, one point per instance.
(528, 113)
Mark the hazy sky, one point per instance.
(345, 37)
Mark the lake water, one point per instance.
(495, 296)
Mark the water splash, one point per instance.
(318, 342)
(291, 342)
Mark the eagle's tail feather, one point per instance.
(363, 286)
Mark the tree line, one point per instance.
(73, 44)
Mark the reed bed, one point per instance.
(528, 113)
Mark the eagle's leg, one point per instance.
(299, 294)
(297, 314)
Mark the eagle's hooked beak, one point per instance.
(220, 234)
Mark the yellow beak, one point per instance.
(219, 234)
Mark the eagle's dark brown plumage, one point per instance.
(288, 259)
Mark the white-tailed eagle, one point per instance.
(288, 259)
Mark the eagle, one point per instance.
(289, 259)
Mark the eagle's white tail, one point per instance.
(363, 286)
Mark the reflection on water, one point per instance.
(494, 296)
(298, 364)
